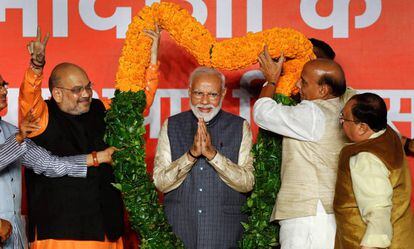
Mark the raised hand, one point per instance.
(270, 69)
(207, 148)
(37, 50)
(28, 125)
(155, 35)
(195, 149)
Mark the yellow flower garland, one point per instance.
(229, 54)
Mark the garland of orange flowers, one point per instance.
(230, 54)
(125, 119)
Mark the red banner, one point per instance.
(372, 39)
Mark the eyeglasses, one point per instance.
(4, 85)
(78, 89)
(200, 95)
(342, 119)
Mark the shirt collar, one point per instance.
(377, 134)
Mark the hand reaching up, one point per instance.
(37, 51)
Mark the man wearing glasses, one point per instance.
(312, 141)
(15, 150)
(68, 212)
(203, 166)
(373, 189)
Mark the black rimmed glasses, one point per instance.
(342, 120)
(78, 89)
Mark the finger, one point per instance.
(151, 34)
(29, 49)
(267, 54)
(32, 127)
(282, 56)
(46, 39)
(261, 61)
(264, 48)
(204, 129)
(115, 148)
(39, 34)
(157, 28)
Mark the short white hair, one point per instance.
(209, 71)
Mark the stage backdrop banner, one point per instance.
(372, 39)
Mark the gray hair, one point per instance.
(209, 71)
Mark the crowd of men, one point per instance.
(345, 180)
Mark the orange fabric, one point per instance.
(30, 98)
(152, 85)
(76, 244)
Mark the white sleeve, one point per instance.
(305, 121)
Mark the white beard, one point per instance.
(205, 116)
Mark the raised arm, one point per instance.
(271, 70)
(152, 70)
(30, 95)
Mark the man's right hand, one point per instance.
(37, 51)
(103, 156)
(5, 230)
(270, 69)
(155, 35)
(195, 149)
(28, 125)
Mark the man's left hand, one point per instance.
(207, 148)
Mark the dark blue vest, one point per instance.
(203, 211)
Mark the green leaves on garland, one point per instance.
(258, 231)
(125, 129)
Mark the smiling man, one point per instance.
(68, 212)
(203, 165)
(311, 145)
(16, 150)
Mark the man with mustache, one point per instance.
(204, 167)
(67, 212)
(311, 144)
(15, 150)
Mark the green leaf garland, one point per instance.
(259, 232)
(125, 129)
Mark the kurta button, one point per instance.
(12, 179)
(14, 212)
(14, 196)
(200, 189)
(200, 211)
(201, 168)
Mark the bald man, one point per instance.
(66, 212)
(311, 145)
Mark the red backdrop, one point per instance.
(372, 39)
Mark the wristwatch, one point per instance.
(269, 82)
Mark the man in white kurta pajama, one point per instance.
(311, 145)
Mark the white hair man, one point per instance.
(204, 167)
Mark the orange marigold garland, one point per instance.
(230, 54)
(125, 121)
